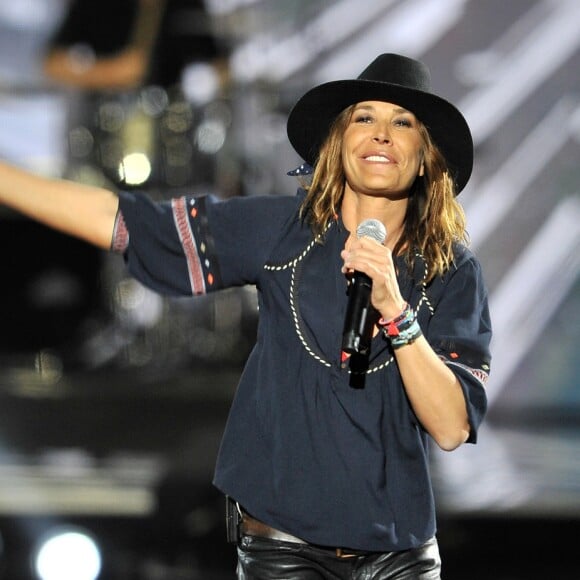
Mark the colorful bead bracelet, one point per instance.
(403, 329)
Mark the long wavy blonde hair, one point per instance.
(434, 220)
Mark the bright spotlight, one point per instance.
(68, 555)
(135, 169)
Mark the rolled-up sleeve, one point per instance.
(460, 332)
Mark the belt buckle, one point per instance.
(341, 553)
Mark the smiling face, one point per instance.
(381, 150)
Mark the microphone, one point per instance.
(356, 334)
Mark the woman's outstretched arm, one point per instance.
(82, 211)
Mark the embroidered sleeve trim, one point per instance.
(479, 374)
(120, 239)
(189, 246)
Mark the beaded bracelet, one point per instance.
(403, 329)
(407, 336)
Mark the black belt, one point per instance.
(253, 527)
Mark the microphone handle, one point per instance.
(356, 336)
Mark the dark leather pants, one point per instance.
(267, 559)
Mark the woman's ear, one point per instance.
(422, 155)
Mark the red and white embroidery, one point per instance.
(120, 241)
(187, 239)
(479, 374)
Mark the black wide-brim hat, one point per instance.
(394, 79)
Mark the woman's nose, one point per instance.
(382, 135)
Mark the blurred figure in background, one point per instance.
(124, 44)
(142, 73)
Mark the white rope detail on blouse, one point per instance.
(296, 321)
(292, 264)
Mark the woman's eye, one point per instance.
(403, 122)
(363, 119)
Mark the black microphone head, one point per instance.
(372, 228)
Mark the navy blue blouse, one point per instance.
(325, 449)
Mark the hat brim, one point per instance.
(310, 119)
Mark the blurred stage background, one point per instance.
(112, 399)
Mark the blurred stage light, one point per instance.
(81, 142)
(200, 82)
(210, 136)
(111, 116)
(154, 100)
(135, 169)
(67, 554)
